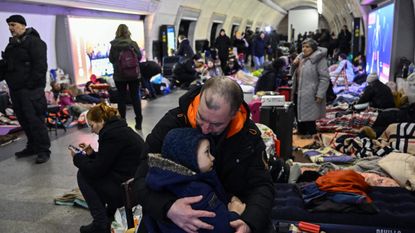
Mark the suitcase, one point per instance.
(281, 121)
(285, 91)
(254, 106)
(168, 63)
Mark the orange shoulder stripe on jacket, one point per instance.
(236, 124)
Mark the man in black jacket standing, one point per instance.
(24, 69)
(217, 109)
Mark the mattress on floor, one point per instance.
(396, 212)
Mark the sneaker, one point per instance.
(25, 153)
(42, 157)
(93, 228)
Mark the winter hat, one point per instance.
(372, 77)
(180, 145)
(16, 19)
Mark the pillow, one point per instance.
(401, 167)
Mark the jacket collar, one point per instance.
(316, 55)
(111, 124)
(189, 103)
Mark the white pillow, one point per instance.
(401, 167)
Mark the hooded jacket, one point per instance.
(25, 61)
(239, 163)
(169, 176)
(117, 45)
(313, 82)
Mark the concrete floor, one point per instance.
(27, 190)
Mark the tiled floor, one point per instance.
(27, 189)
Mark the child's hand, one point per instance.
(87, 148)
(236, 205)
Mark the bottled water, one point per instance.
(411, 68)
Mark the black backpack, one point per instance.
(128, 67)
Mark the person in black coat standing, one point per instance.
(223, 43)
(344, 39)
(101, 172)
(24, 67)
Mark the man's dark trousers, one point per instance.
(30, 107)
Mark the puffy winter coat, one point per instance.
(166, 175)
(25, 61)
(313, 82)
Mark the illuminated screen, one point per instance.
(90, 43)
(171, 39)
(380, 31)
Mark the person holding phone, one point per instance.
(101, 172)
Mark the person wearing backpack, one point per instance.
(125, 56)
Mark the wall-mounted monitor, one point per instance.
(379, 41)
(90, 43)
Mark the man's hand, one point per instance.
(236, 205)
(240, 226)
(182, 214)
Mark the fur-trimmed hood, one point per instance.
(157, 161)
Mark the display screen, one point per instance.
(171, 39)
(90, 43)
(379, 46)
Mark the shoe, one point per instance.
(25, 153)
(42, 157)
(93, 228)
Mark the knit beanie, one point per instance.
(16, 19)
(180, 146)
(371, 77)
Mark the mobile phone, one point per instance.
(75, 149)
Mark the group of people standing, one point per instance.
(335, 44)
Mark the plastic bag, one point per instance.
(119, 225)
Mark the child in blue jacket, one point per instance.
(185, 168)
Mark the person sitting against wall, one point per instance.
(377, 94)
(101, 172)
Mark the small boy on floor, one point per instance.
(185, 168)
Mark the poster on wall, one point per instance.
(379, 45)
(90, 44)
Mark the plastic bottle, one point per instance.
(411, 68)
